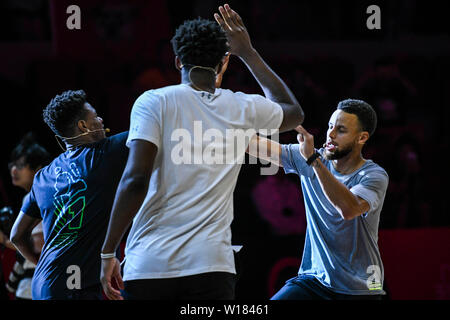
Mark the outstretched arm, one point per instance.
(130, 194)
(265, 149)
(272, 85)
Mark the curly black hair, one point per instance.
(200, 42)
(33, 153)
(367, 116)
(64, 111)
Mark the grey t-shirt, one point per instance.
(342, 255)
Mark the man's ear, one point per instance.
(363, 137)
(82, 125)
(178, 63)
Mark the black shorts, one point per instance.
(204, 286)
(309, 288)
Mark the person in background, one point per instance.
(27, 158)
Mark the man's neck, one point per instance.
(78, 142)
(199, 80)
(349, 163)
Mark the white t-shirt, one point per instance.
(183, 225)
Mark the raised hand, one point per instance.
(306, 141)
(234, 28)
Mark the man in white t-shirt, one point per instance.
(182, 169)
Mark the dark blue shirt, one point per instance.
(73, 196)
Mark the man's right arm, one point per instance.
(265, 149)
(130, 195)
(272, 85)
(286, 156)
(131, 191)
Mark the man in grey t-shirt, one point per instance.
(343, 194)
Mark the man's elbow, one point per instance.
(298, 115)
(301, 114)
(19, 235)
(293, 117)
(350, 213)
(15, 238)
(349, 210)
(347, 216)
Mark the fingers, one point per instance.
(238, 18)
(221, 22)
(227, 10)
(303, 135)
(229, 20)
(119, 280)
(232, 15)
(301, 130)
(110, 270)
(110, 292)
(120, 283)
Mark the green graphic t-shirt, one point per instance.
(74, 196)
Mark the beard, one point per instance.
(339, 153)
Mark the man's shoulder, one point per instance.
(164, 90)
(242, 95)
(158, 93)
(118, 137)
(48, 169)
(115, 144)
(371, 167)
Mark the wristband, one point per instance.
(107, 255)
(312, 158)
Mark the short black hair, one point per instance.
(33, 153)
(200, 42)
(366, 114)
(64, 111)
